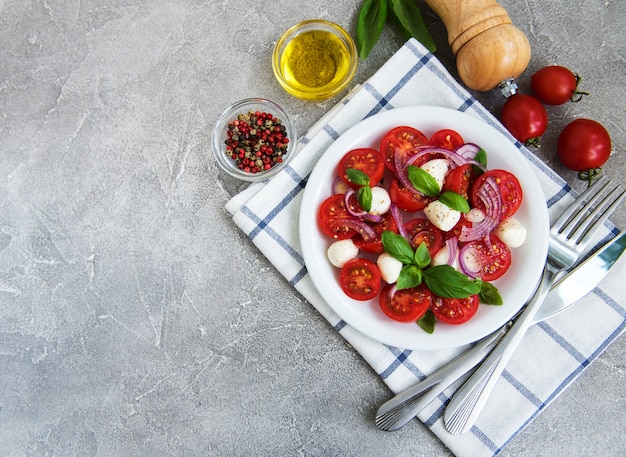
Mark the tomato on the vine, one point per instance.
(584, 145)
(555, 85)
(525, 117)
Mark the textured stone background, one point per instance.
(135, 319)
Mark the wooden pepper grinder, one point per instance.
(490, 51)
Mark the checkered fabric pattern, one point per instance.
(552, 354)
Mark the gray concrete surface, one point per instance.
(135, 319)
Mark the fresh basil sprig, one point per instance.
(365, 191)
(423, 181)
(426, 184)
(427, 322)
(374, 14)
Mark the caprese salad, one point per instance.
(422, 224)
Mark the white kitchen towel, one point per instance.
(553, 352)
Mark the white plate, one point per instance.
(515, 286)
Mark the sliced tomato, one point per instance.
(405, 305)
(360, 279)
(376, 246)
(367, 160)
(330, 218)
(402, 140)
(459, 180)
(510, 189)
(405, 199)
(421, 230)
(454, 310)
(493, 259)
(447, 139)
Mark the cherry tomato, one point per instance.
(459, 179)
(330, 215)
(421, 230)
(376, 246)
(494, 258)
(555, 85)
(406, 199)
(405, 305)
(367, 160)
(402, 140)
(584, 144)
(360, 279)
(510, 189)
(447, 139)
(455, 310)
(525, 117)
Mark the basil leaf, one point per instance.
(481, 157)
(427, 322)
(357, 177)
(454, 201)
(370, 22)
(397, 246)
(422, 256)
(445, 281)
(410, 18)
(365, 197)
(423, 181)
(489, 294)
(410, 276)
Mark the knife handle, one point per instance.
(489, 49)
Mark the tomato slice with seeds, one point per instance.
(406, 199)
(447, 139)
(367, 160)
(454, 310)
(493, 258)
(510, 189)
(402, 140)
(459, 180)
(421, 230)
(360, 279)
(330, 215)
(405, 305)
(375, 246)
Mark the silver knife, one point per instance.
(396, 412)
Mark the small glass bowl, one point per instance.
(315, 59)
(244, 107)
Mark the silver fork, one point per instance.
(569, 236)
(404, 406)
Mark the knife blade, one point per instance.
(578, 282)
(582, 279)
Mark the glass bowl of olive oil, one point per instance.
(315, 59)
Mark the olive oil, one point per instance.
(315, 60)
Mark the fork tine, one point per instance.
(585, 232)
(566, 220)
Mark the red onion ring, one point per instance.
(395, 213)
(361, 227)
(356, 213)
(491, 197)
(452, 245)
(468, 249)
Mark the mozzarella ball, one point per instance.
(442, 216)
(389, 267)
(442, 257)
(511, 232)
(381, 201)
(475, 215)
(341, 251)
(437, 168)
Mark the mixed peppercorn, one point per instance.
(256, 141)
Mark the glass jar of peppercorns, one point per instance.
(253, 139)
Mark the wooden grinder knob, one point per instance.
(489, 49)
